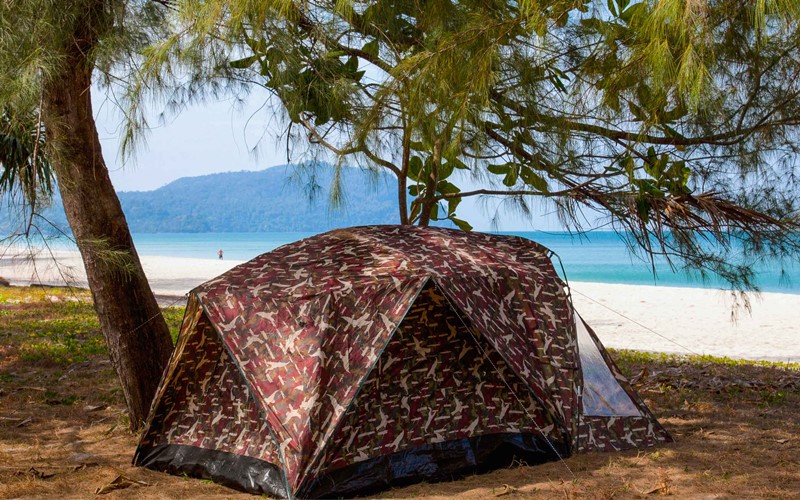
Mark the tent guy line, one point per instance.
(636, 322)
(569, 293)
(151, 318)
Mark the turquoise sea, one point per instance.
(598, 256)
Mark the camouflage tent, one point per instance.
(383, 355)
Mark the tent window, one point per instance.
(602, 394)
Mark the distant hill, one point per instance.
(281, 198)
(268, 200)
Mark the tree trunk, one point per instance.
(402, 179)
(430, 185)
(135, 332)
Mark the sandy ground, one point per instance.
(692, 320)
(650, 318)
(167, 275)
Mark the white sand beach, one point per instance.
(167, 275)
(691, 320)
(650, 318)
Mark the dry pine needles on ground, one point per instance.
(63, 425)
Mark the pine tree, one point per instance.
(672, 121)
(49, 52)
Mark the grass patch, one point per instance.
(689, 378)
(627, 358)
(47, 325)
(174, 317)
(57, 325)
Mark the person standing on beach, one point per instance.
(220, 254)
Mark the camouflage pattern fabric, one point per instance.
(208, 405)
(367, 341)
(434, 383)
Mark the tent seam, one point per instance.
(562, 425)
(259, 405)
(367, 374)
(160, 388)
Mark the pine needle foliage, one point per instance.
(26, 176)
(50, 52)
(35, 38)
(674, 122)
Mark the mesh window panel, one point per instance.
(602, 394)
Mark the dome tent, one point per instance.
(384, 355)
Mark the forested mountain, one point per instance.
(282, 198)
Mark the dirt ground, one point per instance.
(63, 434)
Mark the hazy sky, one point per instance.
(218, 137)
(203, 139)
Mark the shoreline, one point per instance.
(168, 276)
(656, 318)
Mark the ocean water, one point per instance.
(599, 257)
